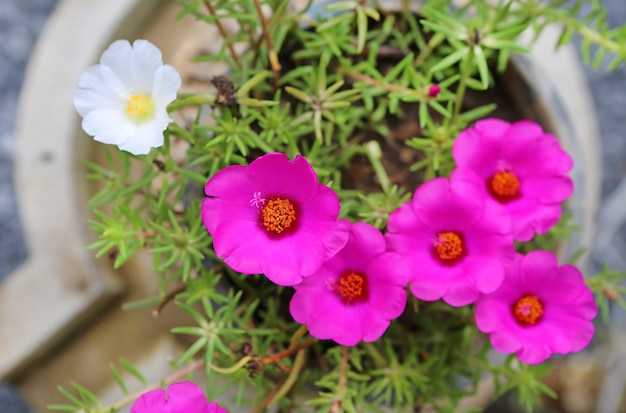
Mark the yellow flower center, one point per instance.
(278, 215)
(449, 246)
(140, 108)
(352, 287)
(528, 309)
(504, 186)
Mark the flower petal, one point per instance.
(276, 175)
(166, 83)
(548, 189)
(108, 126)
(288, 259)
(150, 402)
(444, 205)
(186, 397)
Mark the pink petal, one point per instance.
(276, 175)
(238, 242)
(529, 217)
(324, 207)
(389, 302)
(215, 211)
(575, 332)
(444, 205)
(215, 408)
(488, 272)
(534, 354)
(373, 326)
(186, 397)
(537, 266)
(461, 291)
(491, 315)
(150, 402)
(318, 217)
(289, 259)
(305, 303)
(523, 132)
(471, 151)
(330, 318)
(547, 189)
(233, 184)
(430, 280)
(505, 342)
(364, 238)
(492, 128)
(389, 269)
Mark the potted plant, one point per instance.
(348, 217)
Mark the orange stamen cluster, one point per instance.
(504, 186)
(528, 309)
(449, 246)
(278, 215)
(352, 287)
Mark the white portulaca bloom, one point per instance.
(123, 100)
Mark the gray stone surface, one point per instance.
(21, 22)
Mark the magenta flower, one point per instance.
(354, 295)
(183, 397)
(540, 309)
(457, 243)
(273, 217)
(521, 167)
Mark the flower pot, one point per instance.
(535, 87)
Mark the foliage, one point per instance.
(330, 88)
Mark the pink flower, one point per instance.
(183, 397)
(540, 309)
(273, 217)
(354, 295)
(456, 243)
(521, 167)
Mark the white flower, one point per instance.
(123, 100)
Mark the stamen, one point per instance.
(352, 287)
(257, 201)
(140, 108)
(504, 186)
(278, 215)
(527, 310)
(448, 247)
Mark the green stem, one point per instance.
(466, 71)
(294, 374)
(374, 153)
(378, 358)
(233, 368)
(191, 101)
(425, 52)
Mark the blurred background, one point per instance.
(21, 21)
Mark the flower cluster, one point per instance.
(452, 241)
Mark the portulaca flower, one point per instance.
(123, 99)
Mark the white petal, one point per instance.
(108, 126)
(88, 100)
(166, 84)
(135, 65)
(90, 78)
(113, 82)
(148, 135)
